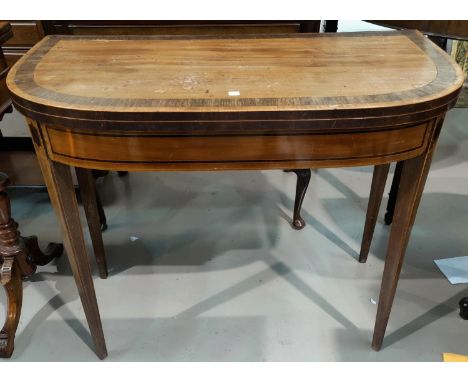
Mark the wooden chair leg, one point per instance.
(91, 205)
(377, 188)
(303, 179)
(393, 195)
(413, 177)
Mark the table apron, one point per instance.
(153, 152)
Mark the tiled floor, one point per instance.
(217, 273)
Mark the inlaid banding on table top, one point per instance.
(245, 123)
(438, 82)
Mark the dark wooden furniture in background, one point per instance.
(282, 117)
(331, 26)
(178, 27)
(26, 33)
(452, 29)
(5, 102)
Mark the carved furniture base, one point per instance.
(19, 257)
(14, 292)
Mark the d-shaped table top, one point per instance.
(231, 103)
(307, 76)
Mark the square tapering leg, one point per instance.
(413, 178)
(62, 195)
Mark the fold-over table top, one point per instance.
(103, 77)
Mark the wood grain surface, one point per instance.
(133, 77)
(208, 69)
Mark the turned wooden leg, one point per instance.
(14, 291)
(91, 202)
(303, 178)
(11, 247)
(377, 188)
(413, 178)
(392, 196)
(62, 195)
(18, 259)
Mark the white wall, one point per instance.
(358, 26)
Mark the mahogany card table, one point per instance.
(181, 103)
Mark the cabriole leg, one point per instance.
(303, 178)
